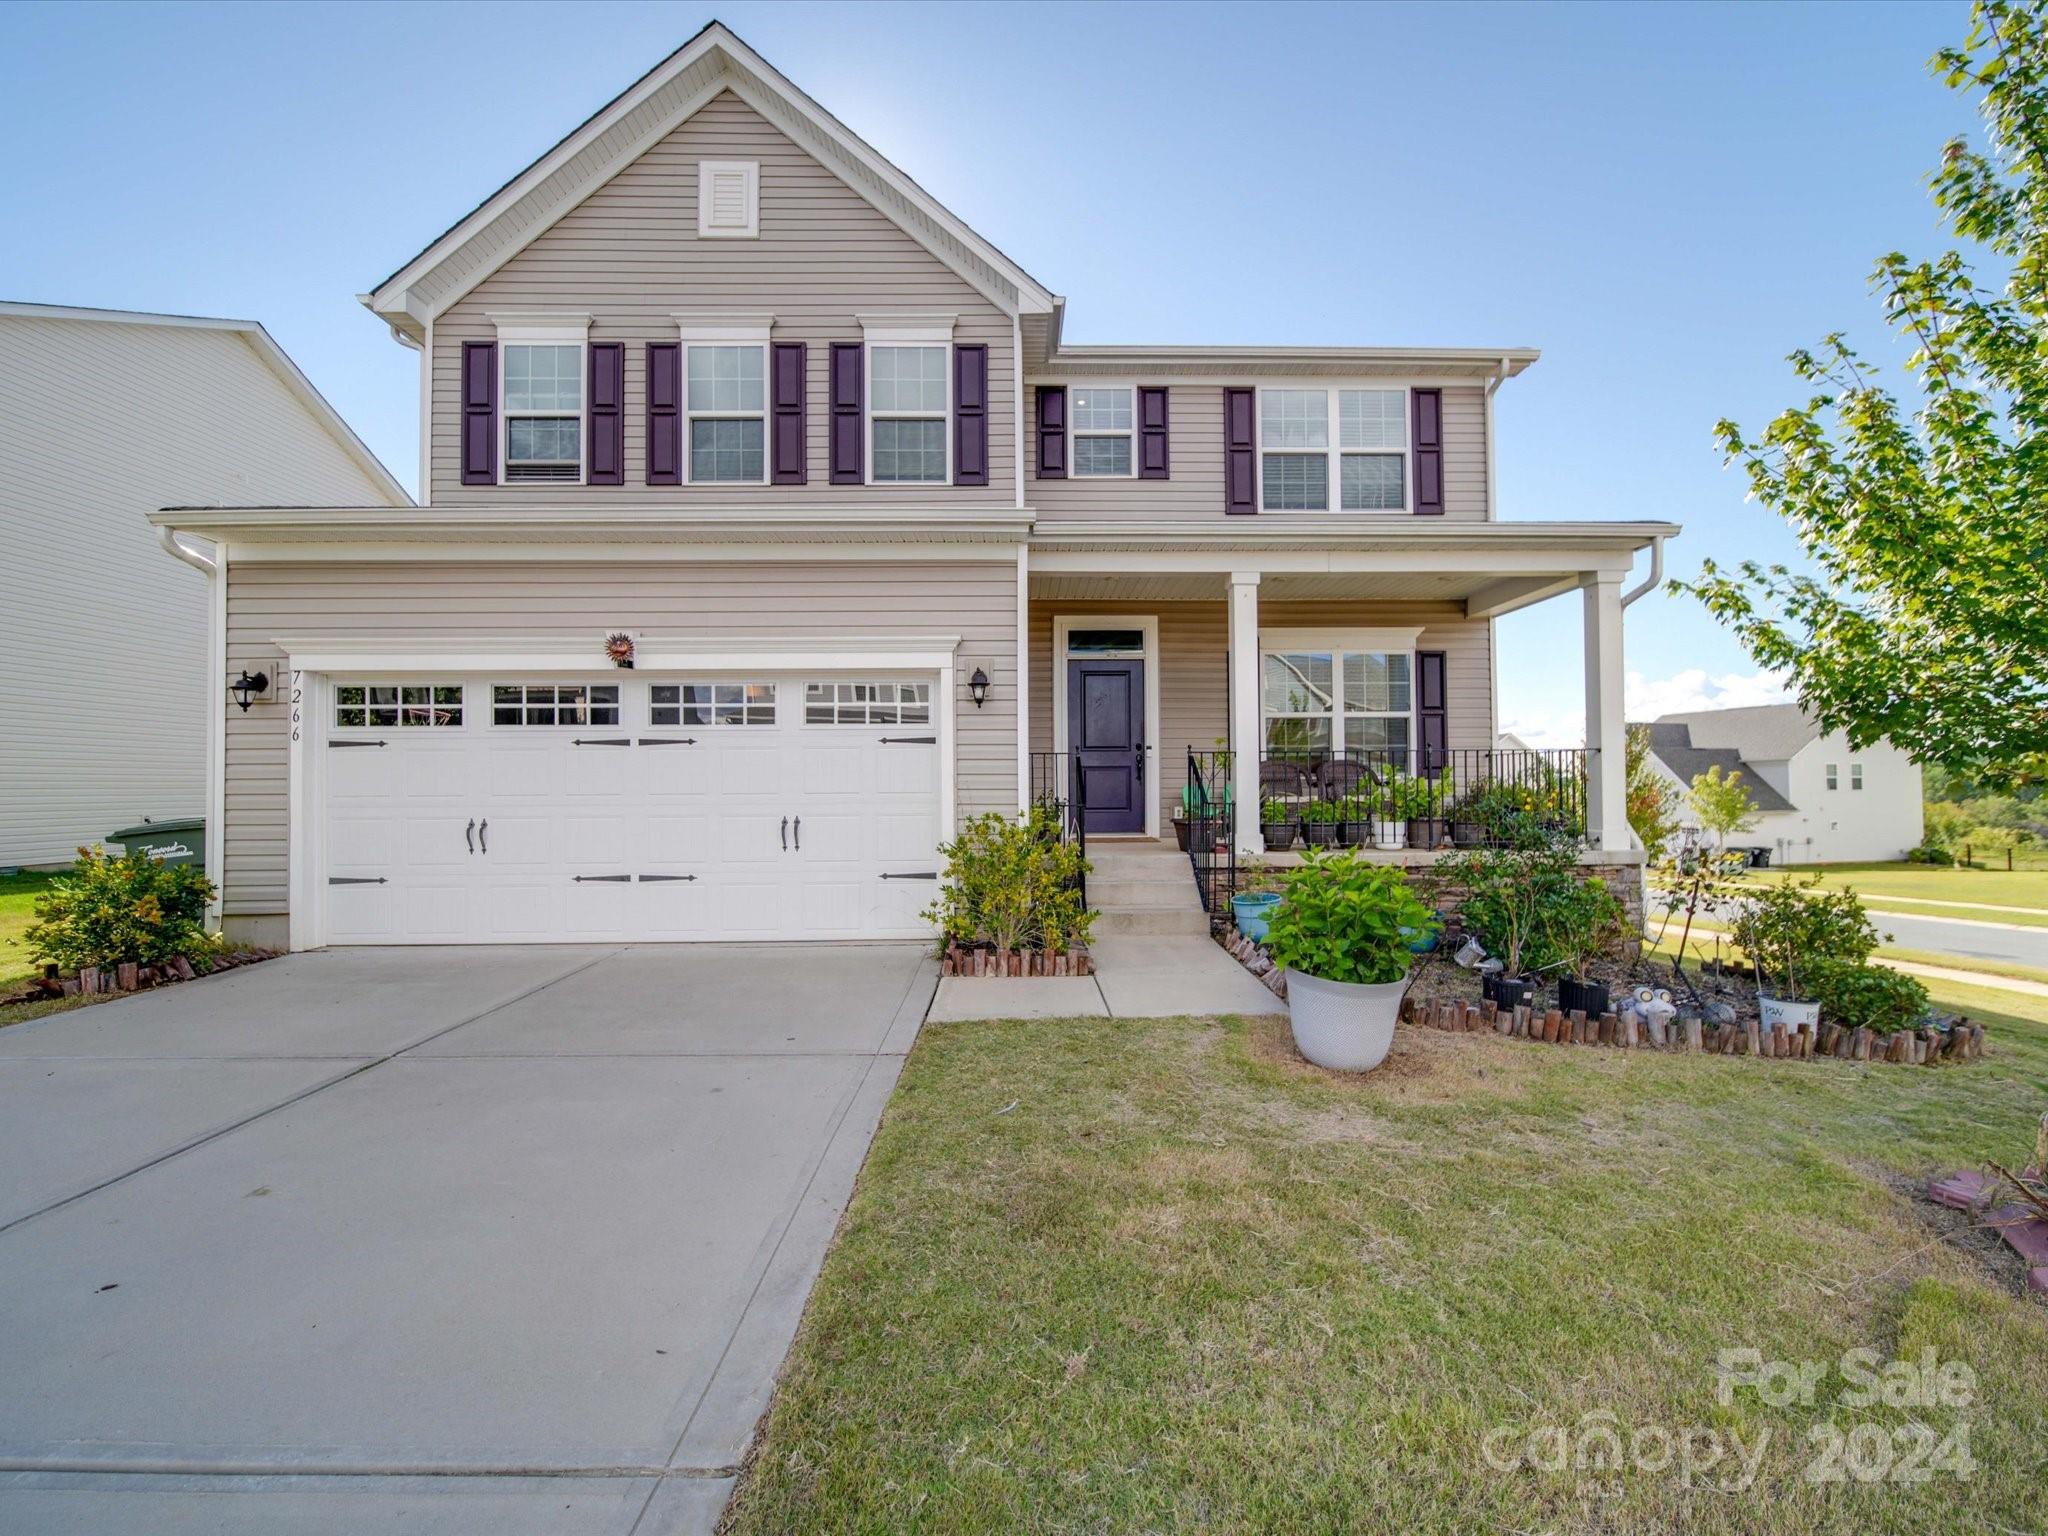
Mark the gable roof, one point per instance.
(639, 117)
(265, 346)
(1675, 744)
(1763, 733)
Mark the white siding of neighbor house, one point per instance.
(102, 634)
(1194, 645)
(579, 602)
(1833, 826)
(630, 256)
(1194, 493)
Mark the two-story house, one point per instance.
(714, 381)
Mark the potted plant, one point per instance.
(1277, 824)
(1583, 923)
(1423, 801)
(1354, 821)
(1319, 823)
(1391, 825)
(1256, 897)
(1343, 937)
(1181, 826)
(1511, 896)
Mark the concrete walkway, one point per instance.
(439, 1240)
(1137, 976)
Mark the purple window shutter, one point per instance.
(1052, 432)
(607, 413)
(1152, 434)
(1432, 733)
(847, 381)
(1428, 410)
(479, 413)
(1240, 452)
(970, 415)
(789, 364)
(664, 413)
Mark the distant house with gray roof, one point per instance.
(1817, 801)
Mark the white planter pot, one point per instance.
(1393, 834)
(1343, 1025)
(1779, 1010)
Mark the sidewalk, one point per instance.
(1137, 976)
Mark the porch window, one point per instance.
(1317, 701)
(1355, 439)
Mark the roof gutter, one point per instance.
(1654, 579)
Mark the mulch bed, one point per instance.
(93, 981)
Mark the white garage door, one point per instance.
(514, 810)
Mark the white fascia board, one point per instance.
(317, 526)
(395, 654)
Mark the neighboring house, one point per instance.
(106, 416)
(713, 375)
(1818, 801)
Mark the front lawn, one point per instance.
(1984, 894)
(1151, 1276)
(18, 895)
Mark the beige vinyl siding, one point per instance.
(631, 258)
(1194, 681)
(579, 602)
(1195, 449)
(104, 686)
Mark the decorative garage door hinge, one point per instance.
(349, 742)
(355, 879)
(668, 741)
(603, 879)
(929, 874)
(650, 879)
(603, 741)
(910, 741)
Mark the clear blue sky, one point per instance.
(1665, 198)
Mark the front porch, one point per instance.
(1331, 678)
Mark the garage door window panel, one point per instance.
(740, 704)
(384, 705)
(867, 703)
(523, 704)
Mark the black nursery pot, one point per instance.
(1279, 835)
(1591, 996)
(1319, 834)
(1509, 991)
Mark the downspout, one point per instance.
(1654, 579)
(214, 568)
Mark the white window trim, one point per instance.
(1335, 452)
(710, 170)
(1147, 624)
(1386, 642)
(702, 328)
(1074, 432)
(545, 330)
(873, 340)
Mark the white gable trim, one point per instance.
(717, 61)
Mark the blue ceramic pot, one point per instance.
(1252, 914)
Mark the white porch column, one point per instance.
(1245, 736)
(1606, 725)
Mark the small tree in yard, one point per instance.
(1721, 804)
(1923, 620)
(1652, 798)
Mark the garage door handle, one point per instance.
(349, 742)
(469, 834)
(483, 841)
(910, 741)
(930, 874)
(355, 879)
(649, 879)
(798, 829)
(603, 879)
(602, 741)
(785, 834)
(668, 741)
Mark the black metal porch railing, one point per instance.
(1205, 807)
(1059, 793)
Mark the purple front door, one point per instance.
(1106, 727)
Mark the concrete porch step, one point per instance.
(1116, 894)
(1153, 920)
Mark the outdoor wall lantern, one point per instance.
(245, 688)
(977, 687)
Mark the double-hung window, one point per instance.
(1318, 698)
(1350, 444)
(728, 414)
(1102, 432)
(543, 411)
(909, 399)
(1855, 775)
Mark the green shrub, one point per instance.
(1012, 884)
(1582, 923)
(1785, 928)
(1346, 920)
(110, 911)
(1517, 898)
(1875, 996)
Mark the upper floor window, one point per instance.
(543, 412)
(909, 399)
(1855, 775)
(1102, 432)
(1834, 776)
(728, 415)
(1353, 439)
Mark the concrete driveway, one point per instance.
(445, 1240)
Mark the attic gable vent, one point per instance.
(729, 199)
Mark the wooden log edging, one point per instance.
(960, 960)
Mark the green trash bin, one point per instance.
(167, 842)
